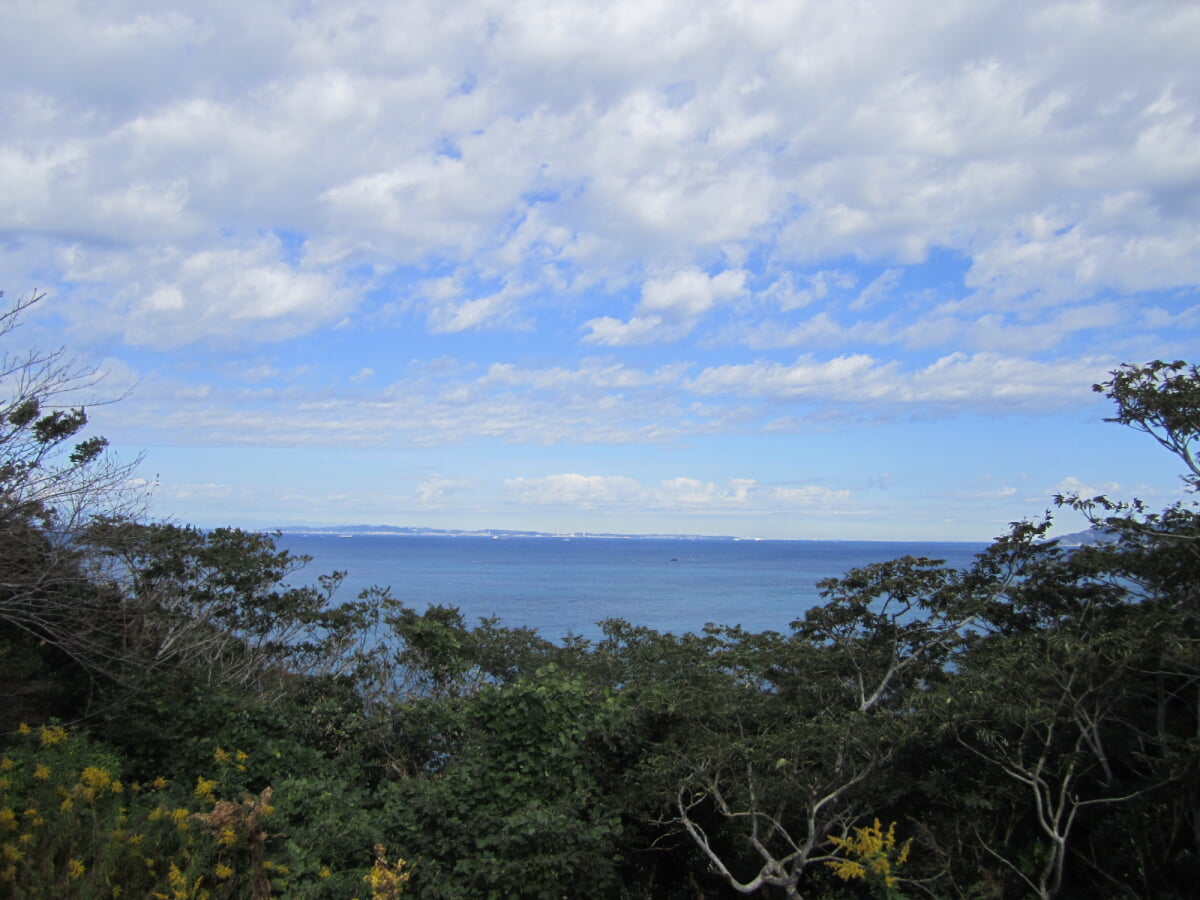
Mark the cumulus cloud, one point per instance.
(601, 144)
(669, 308)
(1074, 486)
(768, 218)
(579, 491)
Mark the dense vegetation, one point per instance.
(177, 722)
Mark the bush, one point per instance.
(72, 827)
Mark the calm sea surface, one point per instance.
(561, 586)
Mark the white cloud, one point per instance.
(579, 491)
(784, 293)
(681, 493)
(878, 290)
(603, 142)
(469, 314)
(669, 307)
(595, 402)
(435, 488)
(955, 382)
(231, 293)
(1072, 485)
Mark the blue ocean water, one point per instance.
(566, 585)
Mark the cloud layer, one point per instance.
(556, 147)
(621, 224)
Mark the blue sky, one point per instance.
(780, 270)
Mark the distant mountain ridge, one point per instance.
(1084, 538)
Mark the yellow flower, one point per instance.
(42, 772)
(11, 853)
(6, 764)
(76, 868)
(241, 756)
(23, 729)
(224, 871)
(159, 783)
(221, 755)
(204, 789)
(876, 853)
(8, 819)
(95, 777)
(846, 869)
(386, 880)
(53, 734)
(227, 837)
(180, 817)
(324, 873)
(67, 805)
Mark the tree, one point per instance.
(516, 806)
(49, 471)
(53, 479)
(1069, 681)
(1080, 692)
(1161, 399)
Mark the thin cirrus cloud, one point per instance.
(605, 402)
(594, 491)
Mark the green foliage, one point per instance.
(519, 803)
(1161, 399)
(71, 826)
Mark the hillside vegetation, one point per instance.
(177, 722)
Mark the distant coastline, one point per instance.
(508, 533)
(418, 531)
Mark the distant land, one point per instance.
(1075, 539)
(1083, 538)
(503, 533)
(410, 531)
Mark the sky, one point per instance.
(793, 269)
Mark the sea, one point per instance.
(564, 586)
